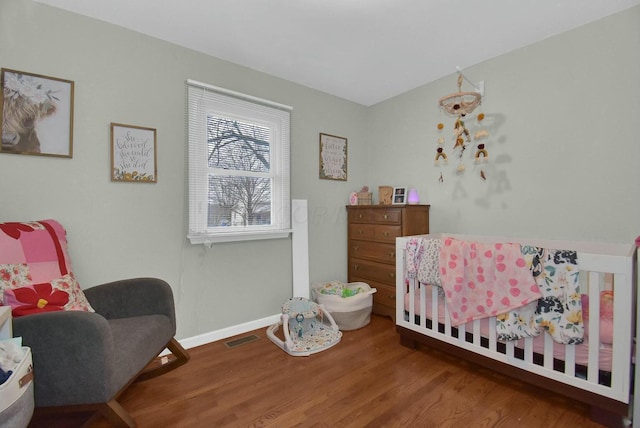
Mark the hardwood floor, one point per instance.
(367, 380)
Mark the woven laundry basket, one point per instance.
(350, 313)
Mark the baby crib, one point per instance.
(597, 372)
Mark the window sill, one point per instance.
(208, 239)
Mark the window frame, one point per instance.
(203, 99)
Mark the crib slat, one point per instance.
(462, 331)
(493, 335)
(423, 310)
(548, 351)
(413, 284)
(570, 360)
(511, 346)
(594, 327)
(528, 350)
(447, 321)
(623, 322)
(476, 333)
(434, 306)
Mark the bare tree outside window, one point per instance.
(239, 166)
(240, 186)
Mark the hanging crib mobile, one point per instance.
(305, 328)
(459, 105)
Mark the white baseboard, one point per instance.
(203, 339)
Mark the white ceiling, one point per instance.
(365, 51)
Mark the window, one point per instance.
(238, 166)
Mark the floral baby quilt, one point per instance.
(559, 310)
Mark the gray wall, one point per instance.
(564, 141)
(119, 230)
(564, 150)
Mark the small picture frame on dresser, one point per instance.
(399, 196)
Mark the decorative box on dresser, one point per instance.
(372, 233)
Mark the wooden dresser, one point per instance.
(372, 232)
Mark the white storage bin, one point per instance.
(16, 395)
(350, 313)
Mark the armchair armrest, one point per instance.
(67, 371)
(133, 297)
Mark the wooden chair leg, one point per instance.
(116, 415)
(111, 411)
(163, 364)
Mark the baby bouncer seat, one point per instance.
(305, 328)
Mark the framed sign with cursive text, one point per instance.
(333, 157)
(133, 153)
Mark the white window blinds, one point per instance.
(238, 154)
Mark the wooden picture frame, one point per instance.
(385, 195)
(37, 114)
(133, 153)
(399, 196)
(333, 157)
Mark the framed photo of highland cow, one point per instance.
(37, 114)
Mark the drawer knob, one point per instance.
(392, 275)
(360, 216)
(386, 216)
(392, 254)
(356, 267)
(356, 248)
(386, 234)
(360, 232)
(391, 297)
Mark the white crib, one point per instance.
(594, 373)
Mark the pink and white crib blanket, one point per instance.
(529, 289)
(483, 280)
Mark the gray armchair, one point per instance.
(83, 361)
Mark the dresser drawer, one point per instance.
(372, 232)
(376, 215)
(384, 253)
(385, 294)
(370, 270)
(375, 232)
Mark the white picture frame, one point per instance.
(399, 196)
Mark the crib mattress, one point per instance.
(581, 351)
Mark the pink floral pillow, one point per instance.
(60, 294)
(35, 269)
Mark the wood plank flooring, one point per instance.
(367, 380)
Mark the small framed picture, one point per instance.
(385, 195)
(333, 157)
(133, 153)
(399, 195)
(37, 114)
